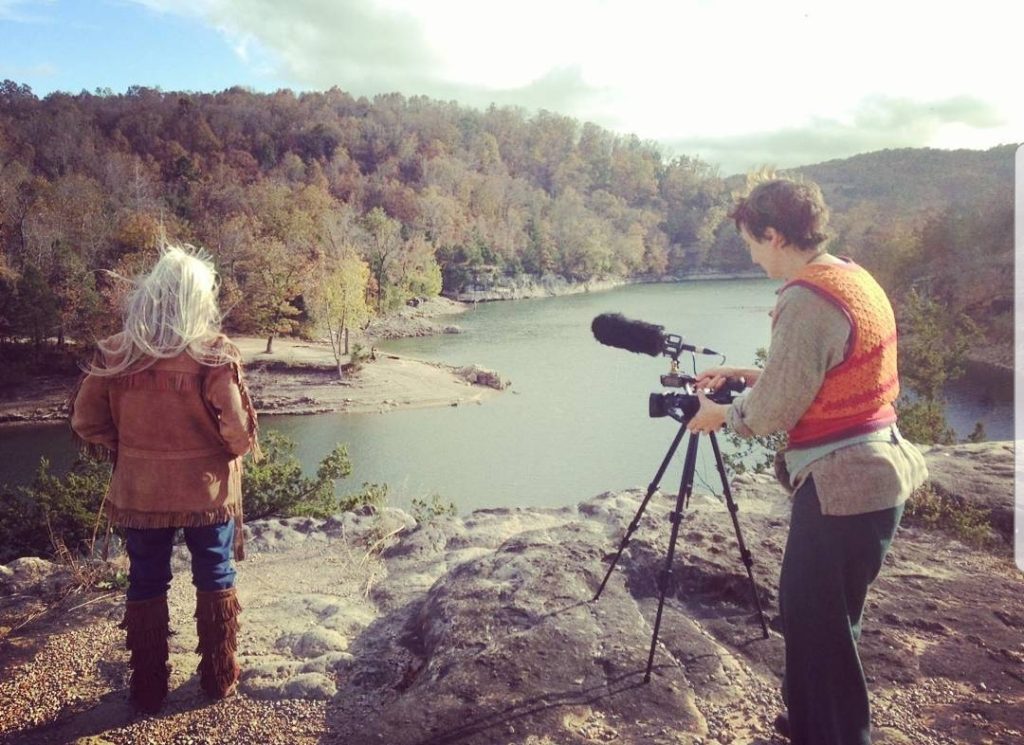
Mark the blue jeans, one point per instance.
(149, 554)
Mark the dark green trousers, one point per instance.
(828, 565)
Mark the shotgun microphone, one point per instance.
(615, 330)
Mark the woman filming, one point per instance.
(829, 382)
(165, 399)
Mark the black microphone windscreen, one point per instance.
(615, 330)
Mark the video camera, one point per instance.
(683, 406)
(615, 330)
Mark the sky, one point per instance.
(738, 83)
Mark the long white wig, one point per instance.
(171, 310)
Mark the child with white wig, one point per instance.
(165, 400)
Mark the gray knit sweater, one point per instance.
(809, 337)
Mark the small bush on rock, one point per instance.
(277, 487)
(934, 510)
(425, 511)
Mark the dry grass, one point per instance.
(85, 573)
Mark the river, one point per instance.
(573, 424)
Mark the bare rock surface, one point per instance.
(369, 628)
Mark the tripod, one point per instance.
(676, 518)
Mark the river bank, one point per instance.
(385, 383)
(300, 376)
(525, 287)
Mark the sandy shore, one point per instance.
(300, 377)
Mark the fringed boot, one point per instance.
(217, 626)
(147, 624)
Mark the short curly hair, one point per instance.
(795, 209)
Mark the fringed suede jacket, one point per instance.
(176, 431)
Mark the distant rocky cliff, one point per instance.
(481, 629)
(521, 286)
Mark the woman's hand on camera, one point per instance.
(709, 418)
(715, 377)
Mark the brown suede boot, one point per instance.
(217, 626)
(146, 622)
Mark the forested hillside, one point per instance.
(323, 208)
(910, 180)
(291, 191)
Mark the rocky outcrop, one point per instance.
(987, 360)
(477, 375)
(483, 629)
(32, 575)
(980, 475)
(401, 327)
(522, 286)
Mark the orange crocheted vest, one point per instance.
(857, 395)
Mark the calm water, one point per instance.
(574, 423)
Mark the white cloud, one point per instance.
(691, 71)
(878, 122)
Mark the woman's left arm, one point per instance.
(235, 419)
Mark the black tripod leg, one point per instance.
(653, 487)
(676, 517)
(748, 560)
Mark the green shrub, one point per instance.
(53, 508)
(924, 421)
(359, 356)
(933, 352)
(373, 494)
(56, 517)
(276, 486)
(970, 524)
(755, 454)
(978, 434)
(424, 511)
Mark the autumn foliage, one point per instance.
(322, 209)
